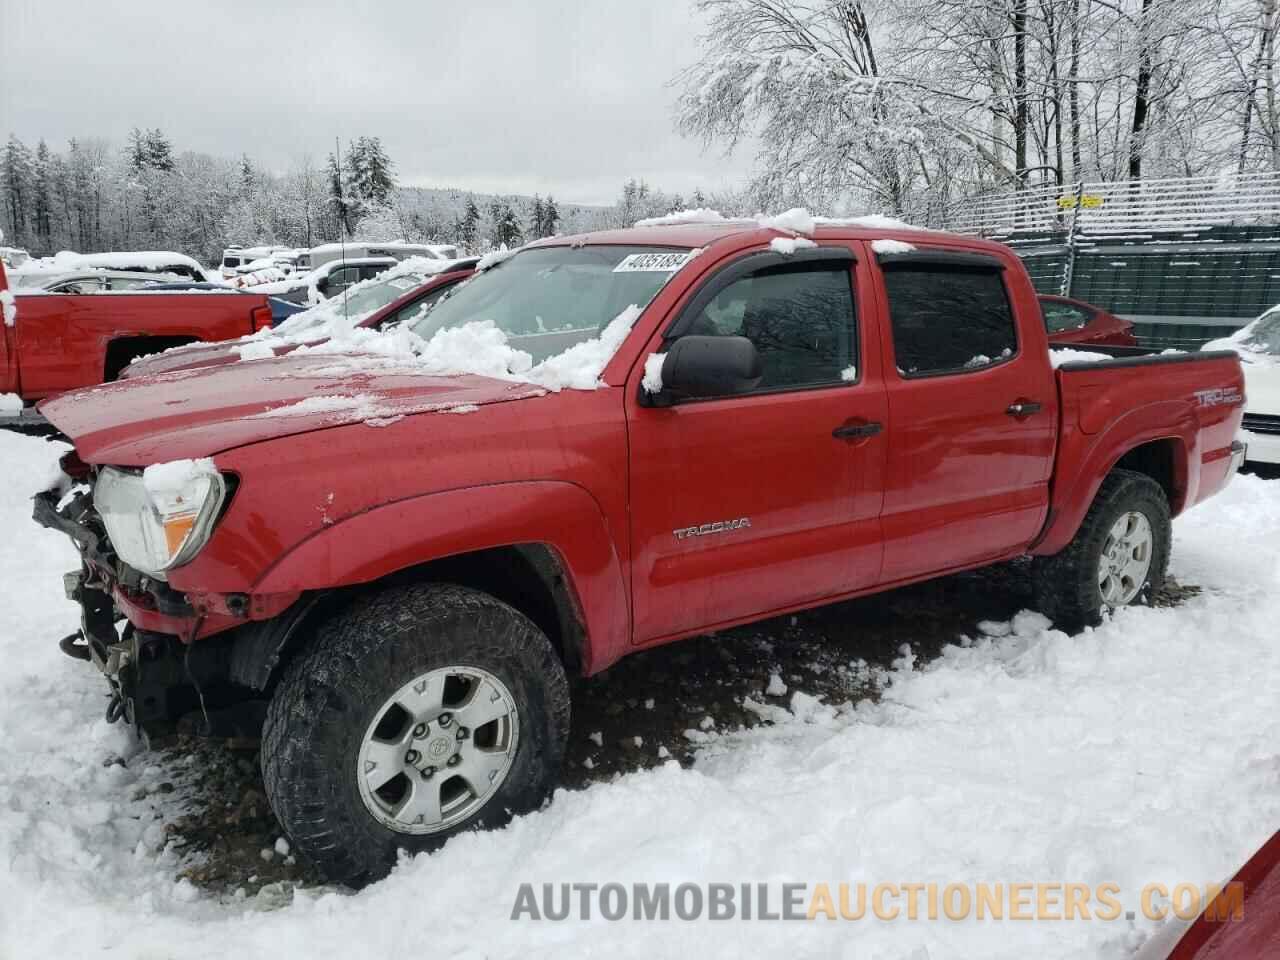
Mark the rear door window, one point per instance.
(948, 319)
(1062, 317)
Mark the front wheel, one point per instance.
(416, 713)
(1118, 556)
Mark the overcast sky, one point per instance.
(570, 97)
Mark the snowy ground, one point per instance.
(1146, 751)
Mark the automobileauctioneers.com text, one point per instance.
(882, 901)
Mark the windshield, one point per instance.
(548, 299)
(1263, 335)
(359, 301)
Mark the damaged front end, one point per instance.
(155, 673)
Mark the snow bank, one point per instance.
(1060, 355)
(885, 245)
(10, 404)
(789, 245)
(9, 304)
(167, 479)
(1143, 751)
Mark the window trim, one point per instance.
(975, 263)
(924, 256)
(754, 262)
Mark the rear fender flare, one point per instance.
(1096, 455)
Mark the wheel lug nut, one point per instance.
(411, 756)
(463, 733)
(420, 731)
(455, 760)
(445, 719)
(427, 773)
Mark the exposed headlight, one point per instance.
(161, 519)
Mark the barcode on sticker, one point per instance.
(652, 262)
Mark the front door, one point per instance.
(747, 504)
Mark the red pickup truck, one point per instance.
(603, 443)
(51, 342)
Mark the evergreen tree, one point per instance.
(338, 196)
(550, 217)
(138, 153)
(536, 218)
(43, 201)
(509, 228)
(246, 175)
(159, 151)
(470, 225)
(369, 171)
(17, 186)
(699, 201)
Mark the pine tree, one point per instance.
(550, 217)
(536, 218)
(17, 186)
(470, 225)
(699, 201)
(246, 175)
(159, 152)
(137, 150)
(509, 228)
(43, 201)
(337, 196)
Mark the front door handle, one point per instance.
(1022, 408)
(857, 431)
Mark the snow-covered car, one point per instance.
(101, 281)
(35, 273)
(327, 280)
(13, 257)
(1258, 344)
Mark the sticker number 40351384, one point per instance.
(653, 262)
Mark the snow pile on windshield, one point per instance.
(911, 785)
(9, 303)
(789, 245)
(1060, 355)
(164, 480)
(885, 245)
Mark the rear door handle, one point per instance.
(1022, 408)
(857, 431)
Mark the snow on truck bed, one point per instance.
(1148, 750)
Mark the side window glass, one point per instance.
(1061, 317)
(800, 318)
(948, 319)
(415, 311)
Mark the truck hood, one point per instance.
(196, 355)
(197, 413)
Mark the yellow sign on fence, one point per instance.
(1089, 200)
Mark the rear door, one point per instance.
(972, 424)
(747, 504)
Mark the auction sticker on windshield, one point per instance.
(653, 262)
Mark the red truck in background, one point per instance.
(395, 297)
(52, 342)
(666, 431)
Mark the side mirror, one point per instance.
(708, 367)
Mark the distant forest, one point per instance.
(149, 195)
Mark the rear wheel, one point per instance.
(417, 713)
(1118, 557)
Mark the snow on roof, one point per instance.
(797, 220)
(148, 260)
(399, 246)
(885, 245)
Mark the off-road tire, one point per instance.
(329, 693)
(1066, 584)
